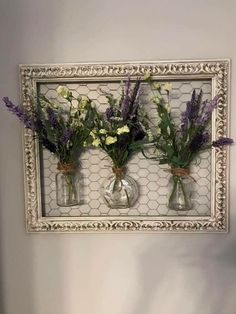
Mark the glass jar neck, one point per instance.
(119, 172)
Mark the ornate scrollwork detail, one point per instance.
(128, 226)
(217, 70)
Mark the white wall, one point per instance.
(109, 273)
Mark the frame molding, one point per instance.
(216, 70)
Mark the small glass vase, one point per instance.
(119, 190)
(67, 185)
(180, 186)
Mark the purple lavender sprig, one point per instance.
(207, 109)
(29, 123)
(199, 141)
(131, 101)
(109, 113)
(66, 136)
(134, 101)
(222, 141)
(136, 104)
(193, 106)
(53, 128)
(126, 100)
(52, 118)
(192, 110)
(19, 112)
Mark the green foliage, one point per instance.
(178, 145)
(121, 131)
(63, 130)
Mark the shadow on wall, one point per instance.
(2, 298)
(19, 268)
(31, 268)
(190, 274)
(16, 259)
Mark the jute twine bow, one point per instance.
(66, 167)
(176, 171)
(119, 172)
(180, 172)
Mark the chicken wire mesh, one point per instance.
(95, 166)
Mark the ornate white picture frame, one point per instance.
(150, 214)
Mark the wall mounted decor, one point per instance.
(150, 212)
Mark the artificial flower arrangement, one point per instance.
(179, 145)
(120, 133)
(62, 131)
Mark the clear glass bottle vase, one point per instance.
(119, 190)
(67, 185)
(180, 187)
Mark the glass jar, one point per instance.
(180, 186)
(67, 185)
(119, 190)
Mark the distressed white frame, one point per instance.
(218, 71)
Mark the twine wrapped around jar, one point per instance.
(181, 172)
(119, 172)
(177, 171)
(67, 167)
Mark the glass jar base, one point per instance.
(117, 206)
(68, 204)
(179, 207)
